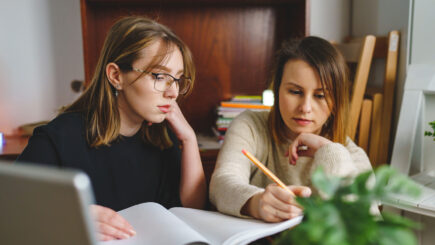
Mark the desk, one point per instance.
(13, 147)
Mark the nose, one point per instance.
(172, 91)
(306, 106)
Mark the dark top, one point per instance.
(127, 172)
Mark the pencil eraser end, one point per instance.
(243, 151)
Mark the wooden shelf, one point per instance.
(232, 42)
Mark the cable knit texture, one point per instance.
(236, 179)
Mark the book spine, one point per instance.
(244, 105)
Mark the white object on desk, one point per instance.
(413, 153)
(268, 97)
(1, 140)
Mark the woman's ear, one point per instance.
(113, 74)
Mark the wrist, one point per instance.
(189, 138)
(251, 207)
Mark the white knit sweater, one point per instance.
(236, 179)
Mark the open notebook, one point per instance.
(155, 224)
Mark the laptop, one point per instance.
(44, 205)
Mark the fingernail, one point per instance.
(125, 235)
(306, 193)
(132, 232)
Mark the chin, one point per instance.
(299, 130)
(156, 119)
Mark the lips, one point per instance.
(164, 108)
(302, 121)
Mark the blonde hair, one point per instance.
(126, 38)
(333, 73)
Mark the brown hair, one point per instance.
(126, 38)
(332, 70)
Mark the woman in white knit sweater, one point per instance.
(311, 110)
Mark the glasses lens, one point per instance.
(184, 85)
(162, 82)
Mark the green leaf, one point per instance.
(342, 216)
(326, 185)
(396, 236)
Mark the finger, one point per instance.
(294, 153)
(306, 153)
(111, 231)
(302, 191)
(103, 237)
(112, 218)
(120, 223)
(288, 214)
(278, 198)
(271, 214)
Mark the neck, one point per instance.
(130, 122)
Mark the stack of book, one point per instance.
(228, 110)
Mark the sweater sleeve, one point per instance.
(229, 185)
(339, 160)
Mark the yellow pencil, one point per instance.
(266, 171)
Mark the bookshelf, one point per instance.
(232, 41)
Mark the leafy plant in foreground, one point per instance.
(428, 133)
(341, 214)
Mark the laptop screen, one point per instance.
(44, 205)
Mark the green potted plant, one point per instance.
(428, 133)
(341, 214)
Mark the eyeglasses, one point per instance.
(163, 81)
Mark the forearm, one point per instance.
(192, 181)
(230, 189)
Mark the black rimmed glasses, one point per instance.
(163, 81)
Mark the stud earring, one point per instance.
(116, 93)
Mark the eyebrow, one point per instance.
(166, 69)
(296, 85)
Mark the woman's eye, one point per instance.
(320, 96)
(295, 91)
(159, 77)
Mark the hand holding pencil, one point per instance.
(277, 202)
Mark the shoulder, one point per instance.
(65, 124)
(351, 146)
(254, 118)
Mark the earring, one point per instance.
(117, 87)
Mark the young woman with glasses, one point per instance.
(306, 128)
(126, 131)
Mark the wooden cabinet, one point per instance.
(232, 41)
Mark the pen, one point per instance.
(266, 171)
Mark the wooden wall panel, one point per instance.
(232, 42)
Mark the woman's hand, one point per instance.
(305, 145)
(110, 225)
(275, 204)
(192, 180)
(179, 124)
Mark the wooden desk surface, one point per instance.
(13, 146)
